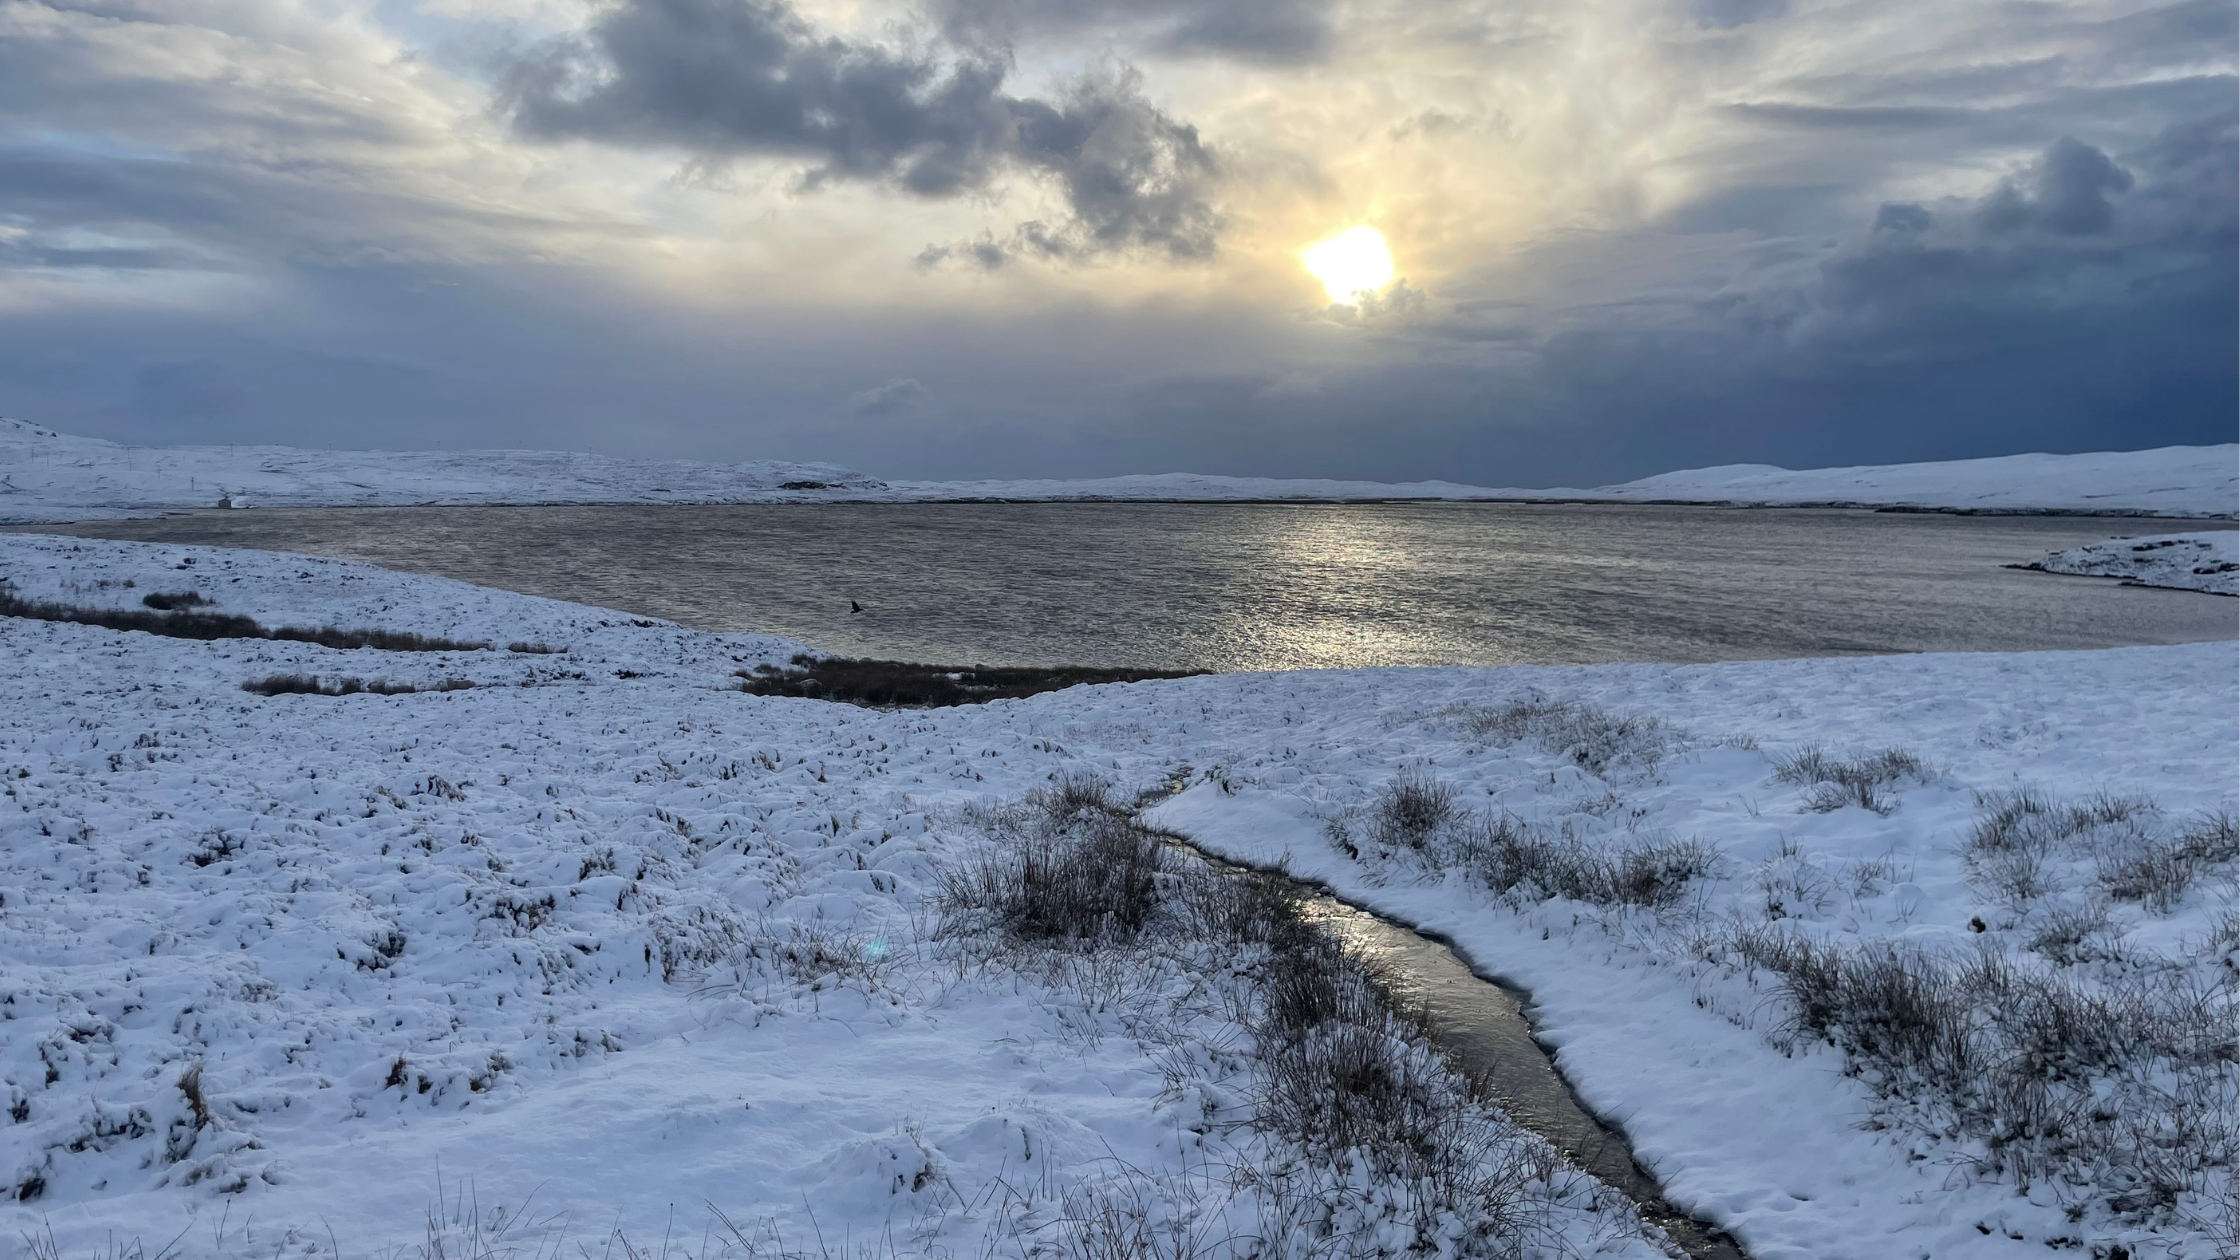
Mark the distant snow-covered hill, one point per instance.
(49, 476)
(45, 475)
(2167, 481)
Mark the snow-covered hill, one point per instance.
(49, 476)
(45, 475)
(2180, 481)
(2167, 481)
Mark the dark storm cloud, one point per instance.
(2087, 302)
(2068, 193)
(1277, 32)
(729, 78)
(2076, 236)
(1810, 151)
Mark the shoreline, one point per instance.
(2039, 566)
(138, 512)
(50, 475)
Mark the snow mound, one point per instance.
(2186, 562)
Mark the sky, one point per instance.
(959, 238)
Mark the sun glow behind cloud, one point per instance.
(1354, 262)
(1559, 188)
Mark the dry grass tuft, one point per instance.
(1832, 783)
(2124, 1087)
(2027, 846)
(1590, 738)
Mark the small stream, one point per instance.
(1482, 1023)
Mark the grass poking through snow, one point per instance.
(1832, 783)
(312, 685)
(180, 621)
(1591, 738)
(1525, 861)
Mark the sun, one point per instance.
(1351, 263)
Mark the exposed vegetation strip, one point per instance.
(176, 618)
(905, 685)
(313, 685)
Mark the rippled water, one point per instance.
(1266, 586)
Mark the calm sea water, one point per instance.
(1259, 586)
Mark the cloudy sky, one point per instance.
(1062, 237)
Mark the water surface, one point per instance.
(1274, 586)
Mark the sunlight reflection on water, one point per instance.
(1264, 586)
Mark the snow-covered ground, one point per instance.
(604, 938)
(2187, 562)
(49, 476)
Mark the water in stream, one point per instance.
(1483, 1025)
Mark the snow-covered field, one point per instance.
(49, 476)
(603, 945)
(2187, 562)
